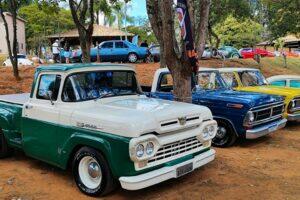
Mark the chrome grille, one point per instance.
(174, 122)
(176, 149)
(268, 113)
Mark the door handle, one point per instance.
(28, 106)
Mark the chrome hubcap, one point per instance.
(132, 58)
(221, 132)
(90, 172)
(94, 170)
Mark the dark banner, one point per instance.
(186, 32)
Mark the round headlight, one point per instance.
(205, 133)
(149, 148)
(139, 150)
(293, 104)
(251, 116)
(211, 130)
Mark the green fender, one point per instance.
(114, 148)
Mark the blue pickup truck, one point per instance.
(239, 114)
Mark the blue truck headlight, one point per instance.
(249, 119)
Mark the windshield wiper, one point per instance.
(104, 95)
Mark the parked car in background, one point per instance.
(239, 114)
(155, 52)
(207, 53)
(250, 53)
(297, 51)
(229, 52)
(285, 81)
(252, 80)
(22, 60)
(114, 51)
(94, 119)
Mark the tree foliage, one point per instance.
(143, 30)
(43, 21)
(239, 33)
(283, 16)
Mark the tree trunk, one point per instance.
(15, 41)
(183, 84)
(161, 16)
(12, 53)
(203, 26)
(86, 11)
(213, 34)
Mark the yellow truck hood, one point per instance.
(289, 93)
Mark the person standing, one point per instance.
(144, 44)
(55, 51)
(67, 53)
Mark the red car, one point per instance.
(249, 53)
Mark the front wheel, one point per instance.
(132, 58)
(92, 173)
(225, 136)
(5, 150)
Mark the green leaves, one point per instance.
(239, 33)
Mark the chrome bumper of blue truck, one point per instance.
(265, 130)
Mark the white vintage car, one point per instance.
(22, 60)
(285, 81)
(95, 118)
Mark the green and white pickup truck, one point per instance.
(94, 118)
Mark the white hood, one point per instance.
(138, 115)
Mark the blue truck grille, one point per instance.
(264, 114)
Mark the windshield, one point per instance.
(252, 78)
(94, 85)
(210, 81)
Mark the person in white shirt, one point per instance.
(55, 51)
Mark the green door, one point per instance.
(40, 120)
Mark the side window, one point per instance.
(119, 45)
(165, 83)
(279, 83)
(68, 94)
(295, 83)
(107, 45)
(48, 83)
(230, 79)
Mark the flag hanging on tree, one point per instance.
(186, 32)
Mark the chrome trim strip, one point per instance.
(272, 104)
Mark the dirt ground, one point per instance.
(267, 168)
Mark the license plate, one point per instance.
(273, 128)
(184, 169)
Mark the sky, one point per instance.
(138, 8)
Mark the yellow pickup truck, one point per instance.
(252, 80)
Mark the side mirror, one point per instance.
(49, 95)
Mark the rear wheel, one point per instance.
(132, 57)
(5, 150)
(92, 173)
(225, 136)
(235, 56)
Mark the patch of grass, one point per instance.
(293, 64)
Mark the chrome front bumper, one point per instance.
(165, 173)
(265, 130)
(293, 117)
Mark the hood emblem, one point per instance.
(182, 121)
